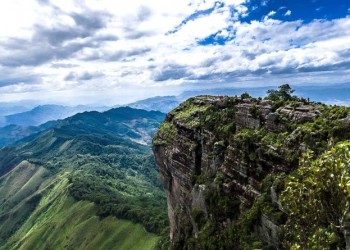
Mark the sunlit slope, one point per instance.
(83, 184)
(61, 222)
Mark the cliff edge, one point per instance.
(222, 161)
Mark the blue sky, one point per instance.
(108, 52)
(305, 10)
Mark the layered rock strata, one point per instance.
(214, 154)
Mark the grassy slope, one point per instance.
(60, 222)
(19, 196)
(56, 186)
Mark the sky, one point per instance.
(112, 51)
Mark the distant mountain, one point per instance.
(160, 103)
(11, 133)
(65, 187)
(167, 103)
(45, 113)
(338, 94)
(17, 126)
(134, 131)
(125, 122)
(12, 109)
(256, 92)
(9, 109)
(331, 93)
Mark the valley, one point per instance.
(66, 186)
(227, 165)
(175, 125)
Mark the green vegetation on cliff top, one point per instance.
(272, 152)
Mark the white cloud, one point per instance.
(271, 13)
(264, 2)
(288, 13)
(338, 102)
(129, 49)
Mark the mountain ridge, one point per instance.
(44, 113)
(89, 165)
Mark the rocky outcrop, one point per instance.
(254, 115)
(214, 155)
(299, 113)
(268, 230)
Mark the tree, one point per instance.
(245, 95)
(317, 201)
(284, 93)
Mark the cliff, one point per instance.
(222, 159)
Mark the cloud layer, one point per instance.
(116, 51)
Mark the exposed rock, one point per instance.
(299, 114)
(268, 230)
(248, 116)
(212, 163)
(273, 122)
(346, 121)
(198, 199)
(274, 198)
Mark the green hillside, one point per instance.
(12, 133)
(83, 184)
(59, 221)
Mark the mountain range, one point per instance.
(86, 182)
(227, 165)
(12, 133)
(45, 113)
(15, 126)
(26, 121)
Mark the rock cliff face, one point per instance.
(218, 156)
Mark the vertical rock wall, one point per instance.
(195, 157)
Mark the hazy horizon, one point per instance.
(333, 94)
